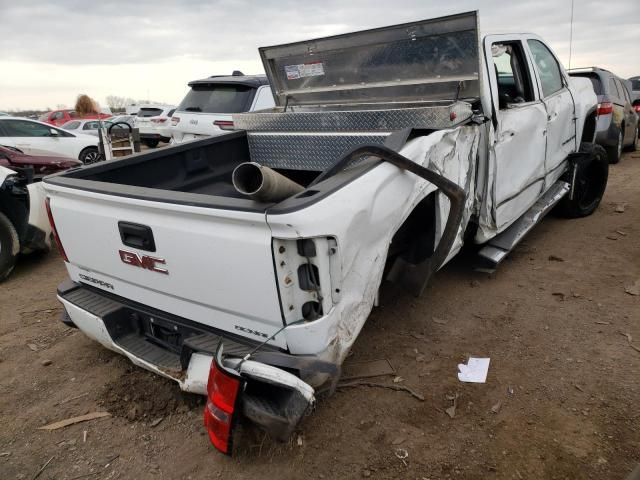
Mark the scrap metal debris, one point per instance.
(451, 411)
(633, 289)
(382, 385)
(402, 454)
(496, 408)
(373, 368)
(74, 420)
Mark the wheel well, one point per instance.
(589, 129)
(414, 241)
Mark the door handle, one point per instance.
(137, 236)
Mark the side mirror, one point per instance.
(53, 132)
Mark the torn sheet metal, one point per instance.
(364, 232)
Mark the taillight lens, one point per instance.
(175, 121)
(605, 108)
(159, 120)
(637, 108)
(224, 124)
(56, 237)
(223, 389)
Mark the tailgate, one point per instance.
(218, 263)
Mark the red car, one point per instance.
(60, 117)
(42, 165)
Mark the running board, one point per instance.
(499, 247)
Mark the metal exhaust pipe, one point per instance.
(262, 183)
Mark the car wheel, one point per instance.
(615, 152)
(89, 155)
(151, 143)
(592, 173)
(9, 247)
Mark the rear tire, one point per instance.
(615, 152)
(9, 247)
(151, 143)
(590, 183)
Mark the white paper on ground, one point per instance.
(475, 371)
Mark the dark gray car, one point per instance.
(617, 125)
(635, 88)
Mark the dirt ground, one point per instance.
(560, 402)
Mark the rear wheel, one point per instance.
(151, 143)
(615, 152)
(89, 155)
(9, 247)
(592, 173)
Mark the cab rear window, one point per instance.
(217, 98)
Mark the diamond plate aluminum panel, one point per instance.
(431, 117)
(316, 151)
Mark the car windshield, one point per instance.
(217, 99)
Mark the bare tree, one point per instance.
(118, 103)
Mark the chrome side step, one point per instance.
(499, 247)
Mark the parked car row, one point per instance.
(617, 124)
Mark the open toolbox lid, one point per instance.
(427, 60)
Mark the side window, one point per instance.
(57, 116)
(71, 125)
(624, 95)
(512, 74)
(22, 128)
(547, 66)
(264, 98)
(613, 88)
(2, 131)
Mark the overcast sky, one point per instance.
(51, 51)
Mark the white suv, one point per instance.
(153, 123)
(207, 108)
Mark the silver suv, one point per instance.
(617, 125)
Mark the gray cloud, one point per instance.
(113, 32)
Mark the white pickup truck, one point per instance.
(244, 266)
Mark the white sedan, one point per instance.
(38, 138)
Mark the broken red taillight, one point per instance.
(158, 120)
(224, 124)
(56, 237)
(223, 389)
(605, 108)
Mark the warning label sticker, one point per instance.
(303, 70)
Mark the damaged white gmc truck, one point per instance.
(244, 266)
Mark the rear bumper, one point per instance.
(168, 345)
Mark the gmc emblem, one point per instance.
(143, 261)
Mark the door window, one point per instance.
(57, 116)
(72, 125)
(547, 66)
(23, 128)
(90, 126)
(514, 81)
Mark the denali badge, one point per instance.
(143, 261)
(96, 281)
